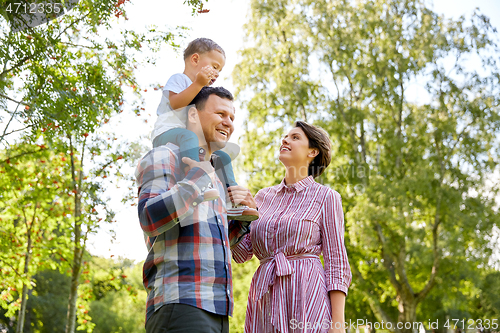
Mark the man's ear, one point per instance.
(313, 153)
(192, 115)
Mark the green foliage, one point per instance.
(59, 83)
(412, 172)
(120, 298)
(34, 207)
(242, 278)
(113, 289)
(49, 302)
(77, 73)
(197, 5)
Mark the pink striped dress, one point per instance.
(289, 290)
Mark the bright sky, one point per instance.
(224, 25)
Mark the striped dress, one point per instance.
(289, 290)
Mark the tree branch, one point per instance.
(13, 100)
(373, 300)
(13, 115)
(341, 109)
(435, 227)
(19, 64)
(406, 287)
(435, 249)
(71, 24)
(14, 131)
(388, 261)
(13, 268)
(22, 154)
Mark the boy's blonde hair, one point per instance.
(200, 46)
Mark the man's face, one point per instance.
(216, 121)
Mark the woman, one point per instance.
(299, 220)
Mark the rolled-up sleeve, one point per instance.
(162, 199)
(243, 251)
(237, 231)
(337, 269)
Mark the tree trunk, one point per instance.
(22, 312)
(73, 297)
(75, 272)
(408, 316)
(77, 252)
(24, 298)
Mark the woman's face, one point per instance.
(294, 149)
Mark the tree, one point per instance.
(113, 288)
(49, 303)
(32, 209)
(412, 172)
(118, 304)
(59, 82)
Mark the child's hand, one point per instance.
(206, 76)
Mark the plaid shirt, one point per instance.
(188, 239)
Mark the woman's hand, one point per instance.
(240, 195)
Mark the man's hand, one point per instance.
(206, 75)
(240, 195)
(206, 166)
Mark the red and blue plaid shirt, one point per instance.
(188, 239)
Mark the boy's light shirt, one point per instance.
(167, 117)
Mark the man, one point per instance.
(188, 269)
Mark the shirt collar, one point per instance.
(298, 186)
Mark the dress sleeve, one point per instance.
(162, 199)
(337, 269)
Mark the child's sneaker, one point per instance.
(210, 194)
(242, 213)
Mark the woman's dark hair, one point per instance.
(319, 139)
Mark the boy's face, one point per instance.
(214, 59)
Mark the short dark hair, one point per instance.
(319, 139)
(200, 46)
(205, 92)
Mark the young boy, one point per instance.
(203, 60)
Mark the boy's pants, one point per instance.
(182, 318)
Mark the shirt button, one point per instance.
(228, 292)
